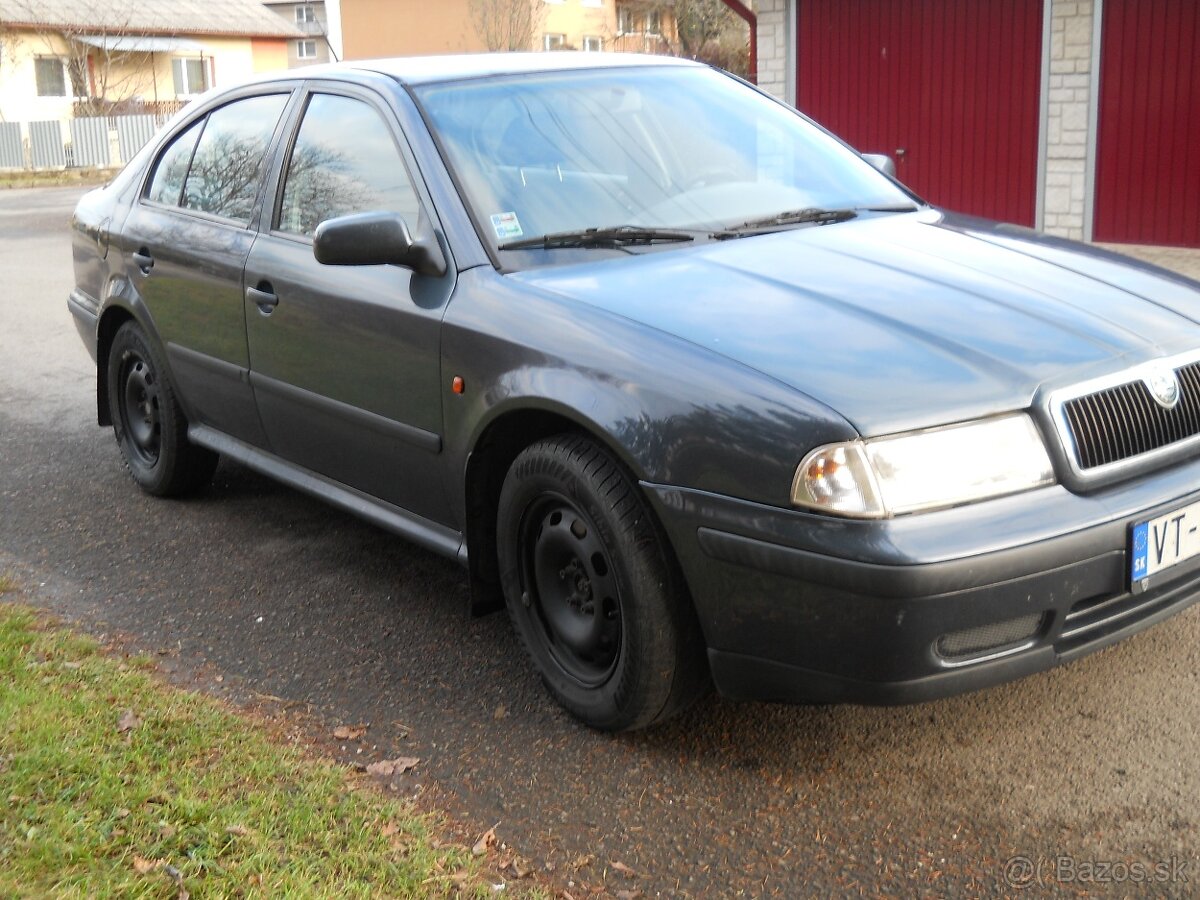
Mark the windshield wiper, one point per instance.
(611, 237)
(812, 215)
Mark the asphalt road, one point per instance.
(271, 591)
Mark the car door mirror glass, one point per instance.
(375, 239)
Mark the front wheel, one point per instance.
(149, 424)
(591, 590)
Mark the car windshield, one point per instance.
(684, 148)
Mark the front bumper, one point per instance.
(804, 608)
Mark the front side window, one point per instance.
(673, 148)
(344, 161)
(51, 76)
(191, 76)
(166, 186)
(228, 163)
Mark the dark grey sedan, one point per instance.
(690, 386)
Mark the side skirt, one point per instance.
(417, 529)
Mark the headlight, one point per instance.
(924, 470)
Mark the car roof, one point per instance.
(428, 69)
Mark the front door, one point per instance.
(345, 360)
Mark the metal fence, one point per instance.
(81, 142)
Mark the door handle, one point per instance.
(263, 297)
(143, 260)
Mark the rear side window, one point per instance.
(344, 161)
(167, 183)
(228, 163)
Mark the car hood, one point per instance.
(901, 321)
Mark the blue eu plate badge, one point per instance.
(1141, 551)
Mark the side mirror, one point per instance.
(376, 239)
(882, 162)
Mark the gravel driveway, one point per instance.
(275, 593)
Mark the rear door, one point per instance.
(345, 360)
(186, 241)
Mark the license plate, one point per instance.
(1165, 542)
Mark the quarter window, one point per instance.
(344, 161)
(169, 174)
(228, 163)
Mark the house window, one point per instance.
(592, 43)
(306, 49)
(191, 76)
(654, 22)
(553, 41)
(304, 15)
(51, 76)
(626, 23)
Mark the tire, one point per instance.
(597, 600)
(149, 424)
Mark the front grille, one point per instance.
(1125, 421)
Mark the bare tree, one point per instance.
(104, 70)
(506, 24)
(707, 30)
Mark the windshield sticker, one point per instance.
(506, 225)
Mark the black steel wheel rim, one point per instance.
(140, 408)
(570, 590)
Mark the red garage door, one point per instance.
(1148, 155)
(950, 88)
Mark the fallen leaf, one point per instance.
(628, 895)
(487, 841)
(500, 713)
(72, 666)
(521, 868)
(388, 767)
(128, 721)
(144, 866)
(349, 732)
(122, 813)
(581, 861)
(237, 830)
(623, 869)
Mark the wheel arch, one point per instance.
(110, 322)
(498, 443)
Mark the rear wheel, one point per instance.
(591, 591)
(148, 422)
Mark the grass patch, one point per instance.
(8, 583)
(113, 784)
